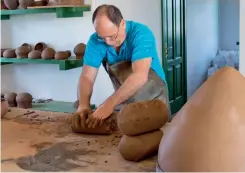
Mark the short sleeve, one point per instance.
(94, 53)
(144, 45)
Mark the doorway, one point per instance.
(174, 51)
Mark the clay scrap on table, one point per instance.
(108, 127)
(207, 134)
(24, 100)
(136, 148)
(142, 117)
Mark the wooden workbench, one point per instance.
(43, 141)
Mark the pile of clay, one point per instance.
(140, 124)
(108, 127)
(21, 100)
(207, 134)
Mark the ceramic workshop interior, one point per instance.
(42, 134)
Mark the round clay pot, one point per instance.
(79, 50)
(2, 50)
(3, 6)
(40, 46)
(9, 53)
(11, 4)
(26, 3)
(41, 3)
(22, 52)
(48, 53)
(35, 54)
(24, 100)
(4, 106)
(61, 55)
(69, 53)
(11, 99)
(27, 45)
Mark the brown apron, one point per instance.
(155, 87)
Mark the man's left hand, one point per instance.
(99, 115)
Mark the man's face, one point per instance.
(108, 32)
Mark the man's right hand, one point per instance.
(80, 116)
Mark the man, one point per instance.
(128, 52)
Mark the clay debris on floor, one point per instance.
(43, 141)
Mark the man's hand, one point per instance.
(80, 116)
(101, 113)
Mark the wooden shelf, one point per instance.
(63, 64)
(61, 11)
(56, 106)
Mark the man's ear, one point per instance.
(123, 23)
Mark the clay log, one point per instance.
(11, 99)
(24, 100)
(108, 127)
(207, 134)
(142, 117)
(137, 148)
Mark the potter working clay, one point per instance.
(207, 134)
(48, 53)
(22, 52)
(35, 54)
(9, 53)
(136, 148)
(11, 99)
(142, 117)
(40, 46)
(108, 127)
(61, 55)
(24, 100)
(11, 4)
(79, 50)
(26, 3)
(4, 106)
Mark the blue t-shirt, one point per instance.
(140, 43)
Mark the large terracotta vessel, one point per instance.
(208, 133)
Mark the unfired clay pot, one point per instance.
(69, 53)
(4, 106)
(48, 53)
(207, 134)
(41, 3)
(9, 53)
(79, 50)
(40, 46)
(3, 6)
(28, 45)
(22, 52)
(61, 55)
(35, 54)
(11, 99)
(2, 50)
(11, 4)
(26, 3)
(24, 100)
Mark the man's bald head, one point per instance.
(109, 11)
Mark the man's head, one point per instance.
(109, 25)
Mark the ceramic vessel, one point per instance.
(24, 100)
(40, 46)
(9, 53)
(3, 6)
(27, 45)
(35, 54)
(79, 50)
(11, 4)
(11, 99)
(48, 53)
(22, 52)
(4, 106)
(26, 3)
(61, 55)
(41, 3)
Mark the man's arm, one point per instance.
(86, 83)
(133, 83)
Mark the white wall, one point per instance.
(242, 37)
(229, 15)
(202, 40)
(47, 81)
